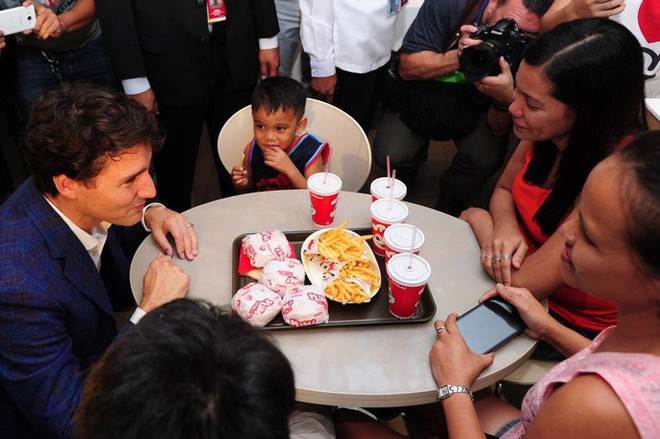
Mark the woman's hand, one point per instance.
(502, 252)
(452, 362)
(536, 317)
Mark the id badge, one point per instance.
(394, 6)
(216, 10)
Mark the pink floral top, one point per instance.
(634, 377)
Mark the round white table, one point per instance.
(368, 366)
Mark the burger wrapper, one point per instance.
(256, 304)
(304, 305)
(265, 246)
(279, 275)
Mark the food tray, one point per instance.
(374, 312)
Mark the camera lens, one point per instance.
(479, 61)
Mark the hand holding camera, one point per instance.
(502, 39)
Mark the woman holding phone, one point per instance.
(579, 94)
(608, 387)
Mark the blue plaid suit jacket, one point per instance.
(56, 316)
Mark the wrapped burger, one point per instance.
(304, 305)
(256, 304)
(266, 246)
(278, 275)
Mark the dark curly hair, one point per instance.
(76, 127)
(188, 370)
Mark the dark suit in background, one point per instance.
(197, 76)
(56, 314)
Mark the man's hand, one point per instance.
(163, 282)
(325, 86)
(2, 40)
(467, 41)
(47, 25)
(500, 87)
(162, 221)
(148, 99)
(595, 8)
(269, 62)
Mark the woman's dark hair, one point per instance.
(280, 92)
(595, 67)
(642, 160)
(188, 370)
(76, 127)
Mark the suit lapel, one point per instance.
(63, 245)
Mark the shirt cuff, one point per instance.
(321, 69)
(144, 210)
(137, 315)
(268, 43)
(135, 86)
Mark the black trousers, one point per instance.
(175, 163)
(358, 94)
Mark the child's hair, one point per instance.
(279, 92)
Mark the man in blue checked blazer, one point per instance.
(62, 265)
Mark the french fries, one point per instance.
(340, 246)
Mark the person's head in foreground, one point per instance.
(278, 109)
(89, 151)
(188, 370)
(579, 92)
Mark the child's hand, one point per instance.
(277, 159)
(239, 177)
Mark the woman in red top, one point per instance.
(579, 93)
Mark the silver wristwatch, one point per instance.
(448, 390)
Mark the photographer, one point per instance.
(431, 104)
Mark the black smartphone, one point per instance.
(489, 325)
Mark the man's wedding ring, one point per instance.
(189, 225)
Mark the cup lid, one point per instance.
(390, 211)
(417, 273)
(316, 183)
(379, 188)
(398, 237)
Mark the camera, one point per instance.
(503, 38)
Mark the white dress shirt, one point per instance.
(354, 35)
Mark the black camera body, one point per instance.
(503, 38)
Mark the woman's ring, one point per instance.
(506, 256)
(440, 329)
(488, 257)
(189, 225)
(496, 259)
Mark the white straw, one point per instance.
(391, 193)
(413, 240)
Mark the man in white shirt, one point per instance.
(62, 267)
(349, 44)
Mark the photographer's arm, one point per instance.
(427, 64)
(500, 89)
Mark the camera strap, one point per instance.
(473, 11)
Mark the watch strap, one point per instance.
(448, 390)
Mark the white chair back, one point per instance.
(351, 152)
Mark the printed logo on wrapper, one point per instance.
(406, 283)
(324, 197)
(379, 189)
(385, 212)
(397, 239)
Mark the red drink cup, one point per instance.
(324, 194)
(398, 238)
(385, 212)
(379, 189)
(406, 283)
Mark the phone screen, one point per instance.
(489, 325)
